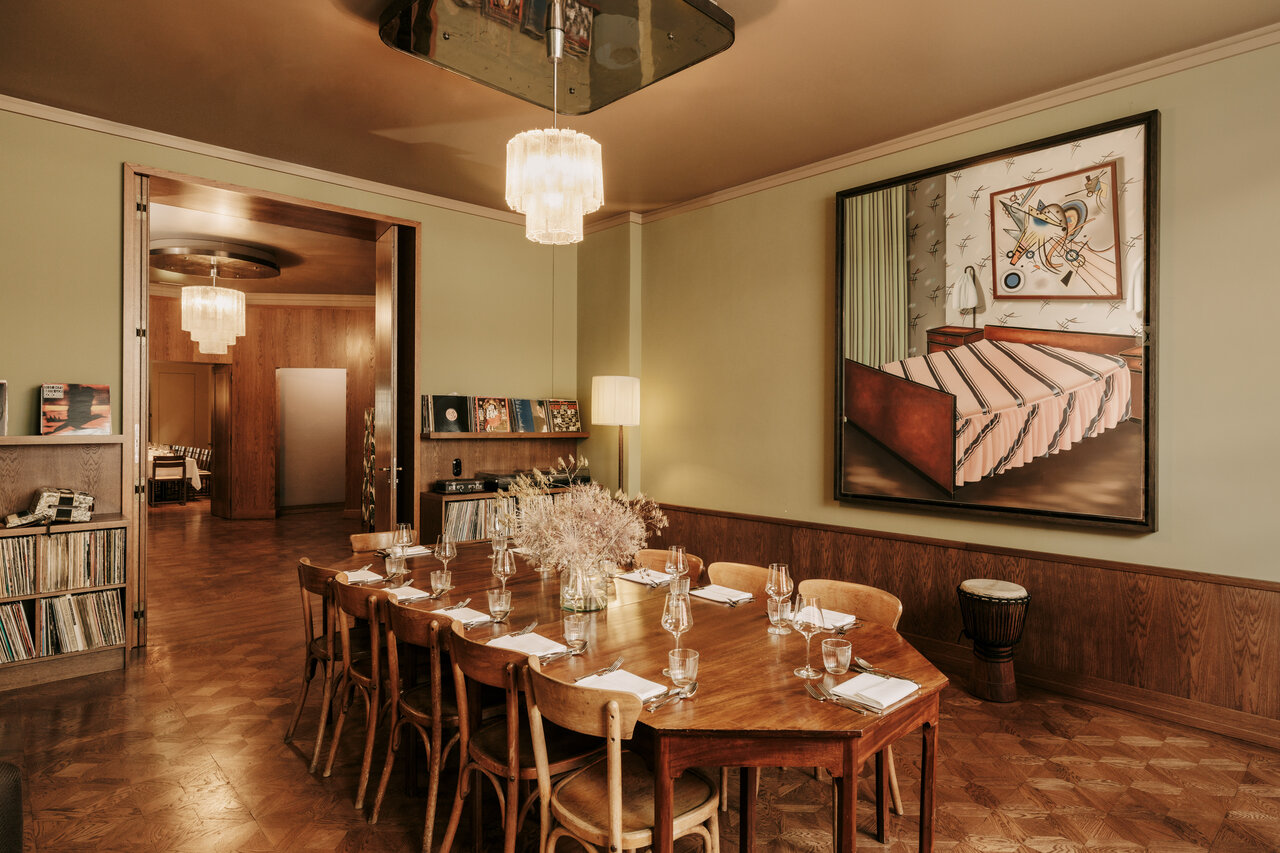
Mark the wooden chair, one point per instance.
(501, 749)
(608, 803)
(429, 708)
(361, 674)
(743, 576)
(871, 605)
(168, 481)
(315, 582)
(655, 559)
(375, 541)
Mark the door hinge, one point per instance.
(140, 612)
(142, 333)
(142, 207)
(139, 488)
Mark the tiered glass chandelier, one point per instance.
(554, 176)
(213, 315)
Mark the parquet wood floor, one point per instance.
(183, 751)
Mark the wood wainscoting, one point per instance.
(1193, 648)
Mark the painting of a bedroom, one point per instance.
(995, 332)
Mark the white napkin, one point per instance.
(466, 615)
(407, 593)
(530, 644)
(831, 619)
(411, 551)
(646, 576)
(620, 679)
(722, 594)
(876, 690)
(363, 576)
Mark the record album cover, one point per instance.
(522, 416)
(563, 415)
(450, 413)
(492, 414)
(70, 409)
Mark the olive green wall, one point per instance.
(738, 313)
(488, 321)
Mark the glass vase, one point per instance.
(584, 586)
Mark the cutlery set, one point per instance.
(823, 694)
(672, 695)
(602, 671)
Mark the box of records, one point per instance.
(49, 505)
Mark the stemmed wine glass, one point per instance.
(677, 565)
(445, 550)
(403, 538)
(677, 617)
(778, 586)
(498, 536)
(504, 566)
(808, 621)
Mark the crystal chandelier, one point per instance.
(213, 315)
(554, 176)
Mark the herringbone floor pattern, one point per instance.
(183, 751)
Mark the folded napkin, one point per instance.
(411, 551)
(530, 644)
(722, 594)
(363, 576)
(832, 619)
(629, 682)
(876, 690)
(407, 593)
(646, 576)
(466, 614)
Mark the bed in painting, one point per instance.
(978, 410)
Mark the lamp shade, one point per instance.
(554, 177)
(964, 294)
(615, 400)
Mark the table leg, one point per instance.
(748, 777)
(663, 785)
(928, 780)
(882, 797)
(847, 800)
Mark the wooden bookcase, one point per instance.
(89, 463)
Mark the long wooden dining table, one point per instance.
(750, 709)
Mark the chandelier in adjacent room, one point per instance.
(213, 315)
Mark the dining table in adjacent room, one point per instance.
(750, 710)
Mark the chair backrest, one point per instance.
(168, 468)
(743, 576)
(315, 579)
(655, 559)
(865, 602)
(318, 581)
(361, 603)
(483, 664)
(376, 540)
(416, 627)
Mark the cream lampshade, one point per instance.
(615, 401)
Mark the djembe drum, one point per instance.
(994, 613)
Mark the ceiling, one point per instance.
(309, 82)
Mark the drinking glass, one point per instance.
(779, 615)
(677, 565)
(499, 604)
(504, 566)
(807, 619)
(836, 655)
(677, 616)
(575, 632)
(394, 565)
(682, 666)
(445, 550)
(441, 581)
(778, 586)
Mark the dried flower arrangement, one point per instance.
(584, 522)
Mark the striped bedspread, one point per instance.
(1016, 402)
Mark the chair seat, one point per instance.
(415, 703)
(565, 749)
(579, 804)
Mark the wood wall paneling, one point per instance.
(1199, 649)
(436, 455)
(94, 468)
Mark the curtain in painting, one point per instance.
(876, 261)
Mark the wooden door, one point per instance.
(220, 491)
(384, 378)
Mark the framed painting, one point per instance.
(995, 333)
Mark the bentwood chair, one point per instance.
(655, 560)
(375, 541)
(741, 576)
(360, 674)
(871, 605)
(608, 803)
(429, 707)
(315, 582)
(501, 749)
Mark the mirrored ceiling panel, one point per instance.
(612, 47)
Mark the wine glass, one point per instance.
(677, 565)
(778, 586)
(504, 566)
(497, 535)
(404, 536)
(677, 617)
(445, 550)
(807, 619)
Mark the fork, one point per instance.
(603, 671)
(526, 629)
(845, 701)
(463, 603)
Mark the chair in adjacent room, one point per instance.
(315, 584)
(360, 674)
(168, 481)
(375, 541)
(429, 707)
(501, 748)
(655, 560)
(740, 576)
(870, 605)
(608, 803)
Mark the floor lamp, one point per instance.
(615, 401)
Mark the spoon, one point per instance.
(682, 693)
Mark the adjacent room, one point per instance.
(667, 425)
